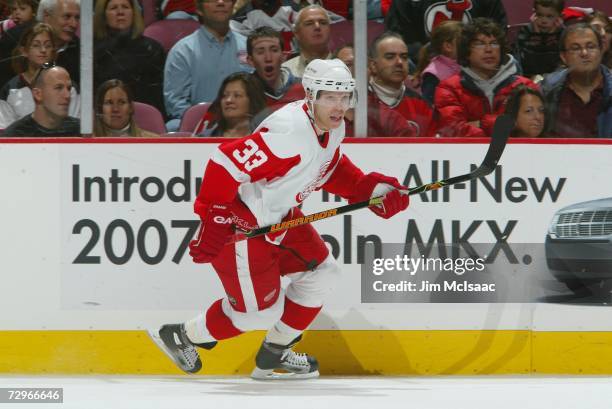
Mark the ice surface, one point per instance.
(186, 392)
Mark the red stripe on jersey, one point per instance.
(297, 316)
(218, 186)
(344, 179)
(219, 325)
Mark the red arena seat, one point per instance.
(192, 116)
(342, 33)
(169, 32)
(149, 118)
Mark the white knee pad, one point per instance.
(309, 288)
(253, 320)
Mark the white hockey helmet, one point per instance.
(328, 75)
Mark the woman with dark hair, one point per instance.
(37, 46)
(526, 106)
(114, 108)
(239, 100)
(121, 51)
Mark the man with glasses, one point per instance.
(579, 96)
(198, 63)
(469, 102)
(51, 93)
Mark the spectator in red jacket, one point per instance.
(382, 122)
(469, 102)
(388, 64)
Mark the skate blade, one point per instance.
(271, 375)
(154, 335)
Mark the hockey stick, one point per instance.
(501, 131)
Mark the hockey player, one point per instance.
(259, 180)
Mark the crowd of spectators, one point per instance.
(439, 69)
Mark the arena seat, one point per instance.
(148, 11)
(192, 116)
(169, 32)
(149, 118)
(342, 33)
(512, 33)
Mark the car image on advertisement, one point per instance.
(579, 246)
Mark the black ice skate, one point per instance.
(172, 339)
(275, 361)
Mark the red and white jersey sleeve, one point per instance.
(281, 163)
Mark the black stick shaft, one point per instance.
(501, 131)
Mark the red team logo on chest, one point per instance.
(312, 186)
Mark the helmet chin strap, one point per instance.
(310, 105)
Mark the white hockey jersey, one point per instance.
(281, 163)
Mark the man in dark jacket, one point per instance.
(416, 19)
(579, 97)
(468, 103)
(51, 93)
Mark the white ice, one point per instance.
(186, 392)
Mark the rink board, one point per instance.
(74, 303)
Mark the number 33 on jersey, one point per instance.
(251, 156)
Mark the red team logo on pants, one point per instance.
(251, 271)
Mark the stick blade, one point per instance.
(504, 124)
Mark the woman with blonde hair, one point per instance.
(122, 52)
(438, 59)
(37, 46)
(114, 112)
